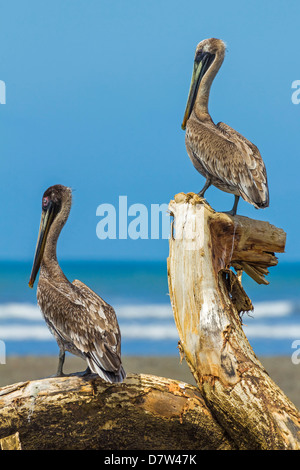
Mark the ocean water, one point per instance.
(139, 293)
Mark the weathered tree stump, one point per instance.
(208, 299)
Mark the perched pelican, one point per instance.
(81, 322)
(223, 156)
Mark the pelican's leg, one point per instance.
(205, 187)
(61, 360)
(234, 209)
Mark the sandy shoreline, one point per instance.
(22, 368)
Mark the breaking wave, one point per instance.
(24, 321)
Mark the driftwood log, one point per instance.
(235, 406)
(76, 413)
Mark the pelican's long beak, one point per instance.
(46, 221)
(201, 64)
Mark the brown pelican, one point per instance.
(223, 156)
(81, 322)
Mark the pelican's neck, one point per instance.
(49, 265)
(201, 102)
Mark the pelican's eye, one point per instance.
(45, 202)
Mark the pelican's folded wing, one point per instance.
(251, 174)
(80, 317)
(104, 340)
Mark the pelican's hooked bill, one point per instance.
(81, 321)
(222, 155)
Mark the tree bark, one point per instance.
(145, 412)
(208, 299)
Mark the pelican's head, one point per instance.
(206, 53)
(211, 46)
(55, 199)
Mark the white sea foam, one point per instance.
(275, 309)
(25, 332)
(152, 331)
(149, 322)
(273, 331)
(19, 310)
(27, 311)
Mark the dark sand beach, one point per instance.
(18, 369)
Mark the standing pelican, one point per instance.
(81, 322)
(223, 156)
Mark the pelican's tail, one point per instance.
(108, 376)
(259, 198)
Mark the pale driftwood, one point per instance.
(207, 300)
(145, 412)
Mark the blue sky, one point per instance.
(95, 95)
